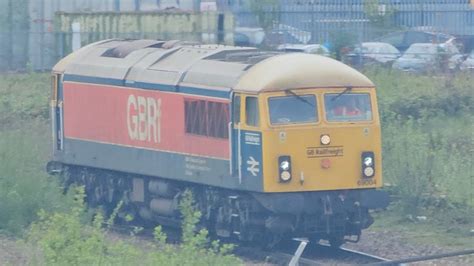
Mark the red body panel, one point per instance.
(133, 117)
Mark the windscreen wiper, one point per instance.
(299, 97)
(348, 88)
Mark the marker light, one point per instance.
(285, 165)
(284, 168)
(367, 164)
(368, 161)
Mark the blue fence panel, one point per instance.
(322, 20)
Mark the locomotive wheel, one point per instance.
(336, 241)
(314, 240)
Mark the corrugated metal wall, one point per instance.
(45, 42)
(199, 27)
(13, 34)
(28, 35)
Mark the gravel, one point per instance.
(383, 243)
(11, 253)
(393, 245)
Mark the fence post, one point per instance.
(10, 35)
(117, 5)
(137, 5)
(76, 36)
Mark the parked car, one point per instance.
(245, 36)
(425, 57)
(305, 48)
(468, 64)
(372, 53)
(402, 40)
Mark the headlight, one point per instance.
(369, 172)
(367, 164)
(285, 176)
(284, 168)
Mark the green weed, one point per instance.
(63, 240)
(427, 138)
(23, 98)
(24, 185)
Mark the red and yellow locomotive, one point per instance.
(269, 142)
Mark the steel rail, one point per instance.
(363, 254)
(425, 258)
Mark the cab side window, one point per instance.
(251, 111)
(236, 113)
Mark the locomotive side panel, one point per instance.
(150, 132)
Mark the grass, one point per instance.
(23, 98)
(427, 155)
(32, 203)
(24, 185)
(61, 239)
(444, 230)
(25, 188)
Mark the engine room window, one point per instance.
(251, 111)
(293, 109)
(206, 118)
(348, 107)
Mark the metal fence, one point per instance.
(320, 21)
(31, 38)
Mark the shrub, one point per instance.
(426, 131)
(63, 240)
(22, 98)
(24, 185)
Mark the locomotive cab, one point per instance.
(312, 136)
(321, 139)
(315, 138)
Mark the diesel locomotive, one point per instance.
(272, 145)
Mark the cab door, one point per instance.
(235, 134)
(57, 117)
(247, 141)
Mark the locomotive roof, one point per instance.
(173, 65)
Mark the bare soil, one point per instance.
(11, 252)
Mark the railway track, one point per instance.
(284, 254)
(313, 255)
(325, 255)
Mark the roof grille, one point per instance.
(129, 46)
(245, 57)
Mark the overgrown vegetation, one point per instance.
(24, 98)
(63, 240)
(428, 143)
(24, 147)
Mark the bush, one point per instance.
(404, 96)
(63, 240)
(22, 98)
(24, 185)
(427, 141)
(426, 163)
